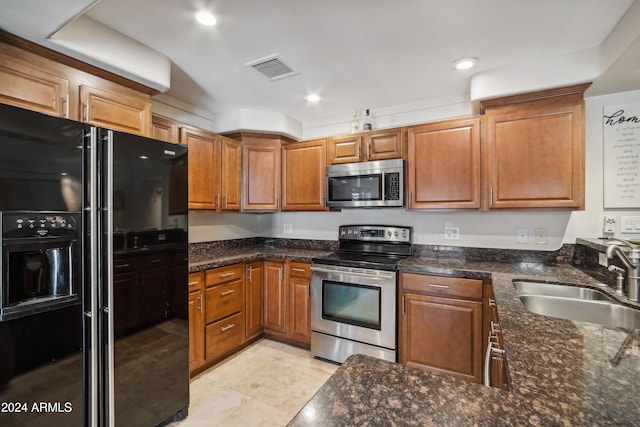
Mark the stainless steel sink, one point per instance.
(576, 303)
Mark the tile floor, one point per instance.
(266, 384)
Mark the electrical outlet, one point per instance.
(609, 224)
(541, 236)
(288, 228)
(452, 233)
(522, 235)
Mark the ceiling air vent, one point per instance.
(272, 68)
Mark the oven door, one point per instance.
(354, 304)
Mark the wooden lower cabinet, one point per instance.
(196, 320)
(253, 325)
(299, 310)
(224, 335)
(441, 325)
(274, 298)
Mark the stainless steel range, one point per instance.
(353, 308)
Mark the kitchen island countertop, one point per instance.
(562, 372)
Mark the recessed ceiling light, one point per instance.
(465, 63)
(206, 18)
(313, 97)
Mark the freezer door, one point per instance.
(144, 286)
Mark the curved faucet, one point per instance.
(632, 265)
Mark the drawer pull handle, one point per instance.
(492, 302)
(195, 282)
(433, 285)
(230, 291)
(122, 265)
(228, 274)
(154, 261)
(299, 270)
(226, 328)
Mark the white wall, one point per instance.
(477, 229)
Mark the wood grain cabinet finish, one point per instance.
(384, 144)
(303, 176)
(118, 110)
(253, 300)
(299, 290)
(443, 165)
(441, 325)
(376, 145)
(261, 176)
(224, 310)
(23, 85)
(215, 164)
(274, 299)
(164, 129)
(534, 150)
(196, 320)
(344, 149)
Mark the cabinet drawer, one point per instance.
(223, 335)
(155, 261)
(196, 281)
(124, 265)
(300, 269)
(223, 300)
(442, 286)
(223, 274)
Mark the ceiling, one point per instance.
(362, 53)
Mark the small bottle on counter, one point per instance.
(367, 123)
(355, 123)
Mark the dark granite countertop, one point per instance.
(562, 372)
(221, 257)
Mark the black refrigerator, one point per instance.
(94, 315)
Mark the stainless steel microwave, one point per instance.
(373, 184)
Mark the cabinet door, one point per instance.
(299, 325)
(155, 276)
(303, 176)
(443, 165)
(114, 110)
(274, 298)
(344, 149)
(28, 87)
(125, 297)
(261, 177)
(196, 330)
(164, 129)
(534, 153)
(442, 335)
(231, 175)
(204, 172)
(386, 144)
(253, 300)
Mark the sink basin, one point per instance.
(576, 303)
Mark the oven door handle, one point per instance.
(377, 275)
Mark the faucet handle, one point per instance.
(619, 278)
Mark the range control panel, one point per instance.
(375, 233)
(38, 224)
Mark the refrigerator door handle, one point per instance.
(109, 313)
(92, 313)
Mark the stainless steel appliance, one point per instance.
(83, 343)
(353, 293)
(378, 183)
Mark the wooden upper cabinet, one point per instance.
(204, 168)
(25, 86)
(534, 150)
(344, 149)
(383, 144)
(231, 168)
(116, 110)
(303, 175)
(164, 129)
(443, 165)
(261, 176)
(376, 145)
